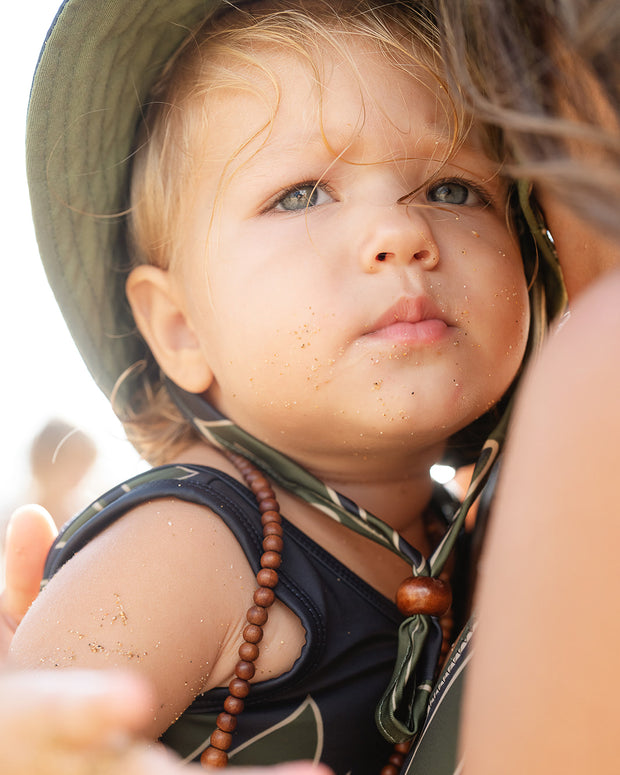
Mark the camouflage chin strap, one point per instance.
(402, 709)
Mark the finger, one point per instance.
(30, 534)
(80, 708)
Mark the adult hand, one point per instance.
(30, 534)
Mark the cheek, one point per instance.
(494, 308)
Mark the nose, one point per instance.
(399, 235)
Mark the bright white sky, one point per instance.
(42, 374)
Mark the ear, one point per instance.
(159, 313)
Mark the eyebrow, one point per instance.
(434, 148)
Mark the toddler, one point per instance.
(319, 253)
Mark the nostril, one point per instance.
(422, 255)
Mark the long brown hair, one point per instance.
(547, 74)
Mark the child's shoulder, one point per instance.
(161, 490)
(162, 588)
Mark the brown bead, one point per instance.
(390, 769)
(423, 595)
(273, 543)
(257, 615)
(248, 652)
(396, 759)
(267, 577)
(239, 688)
(402, 748)
(227, 722)
(213, 757)
(271, 560)
(270, 516)
(273, 529)
(268, 504)
(221, 740)
(259, 483)
(234, 705)
(244, 670)
(253, 633)
(264, 597)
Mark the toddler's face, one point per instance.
(332, 317)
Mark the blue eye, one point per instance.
(301, 197)
(454, 192)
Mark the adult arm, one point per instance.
(543, 687)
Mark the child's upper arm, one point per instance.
(163, 591)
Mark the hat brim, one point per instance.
(96, 68)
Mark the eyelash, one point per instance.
(281, 195)
(483, 195)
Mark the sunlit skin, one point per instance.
(547, 597)
(348, 330)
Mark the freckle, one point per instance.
(475, 233)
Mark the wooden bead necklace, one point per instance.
(415, 595)
(267, 577)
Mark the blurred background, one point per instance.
(42, 376)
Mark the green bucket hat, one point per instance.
(96, 69)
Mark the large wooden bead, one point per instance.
(259, 483)
(267, 504)
(221, 740)
(227, 722)
(270, 516)
(258, 616)
(238, 687)
(271, 560)
(267, 577)
(244, 670)
(264, 597)
(234, 705)
(253, 633)
(272, 543)
(213, 757)
(248, 651)
(423, 595)
(273, 529)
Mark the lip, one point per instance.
(412, 320)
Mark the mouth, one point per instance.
(413, 321)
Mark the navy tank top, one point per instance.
(323, 708)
